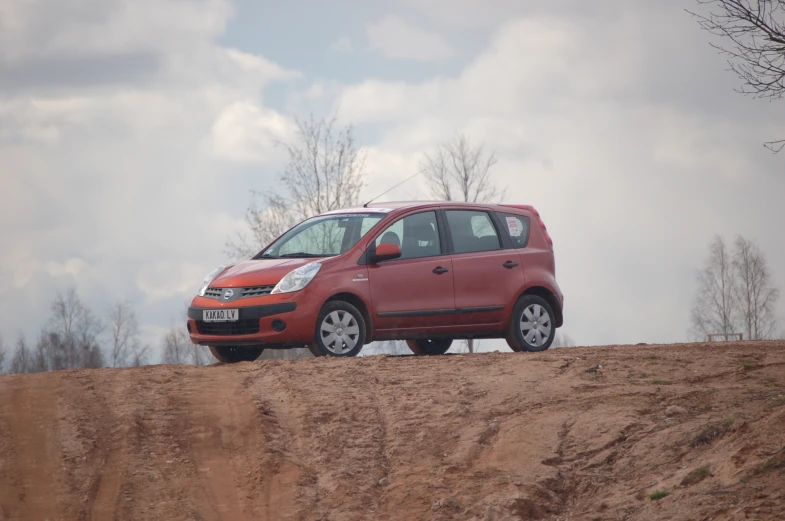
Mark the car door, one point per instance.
(416, 290)
(488, 272)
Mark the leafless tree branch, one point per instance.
(736, 293)
(775, 146)
(388, 347)
(562, 340)
(22, 359)
(755, 34)
(325, 172)
(2, 356)
(460, 171)
(125, 347)
(756, 296)
(69, 341)
(178, 349)
(714, 307)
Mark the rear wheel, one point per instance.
(232, 355)
(429, 346)
(340, 330)
(532, 325)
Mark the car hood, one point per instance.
(261, 272)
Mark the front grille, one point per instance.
(257, 291)
(241, 327)
(253, 291)
(213, 292)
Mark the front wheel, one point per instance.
(232, 355)
(532, 325)
(340, 330)
(429, 346)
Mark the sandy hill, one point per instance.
(680, 432)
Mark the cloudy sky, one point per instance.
(131, 132)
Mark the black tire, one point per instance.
(524, 315)
(429, 346)
(233, 355)
(330, 339)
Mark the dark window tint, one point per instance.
(417, 235)
(472, 231)
(517, 227)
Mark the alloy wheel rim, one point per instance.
(340, 332)
(535, 325)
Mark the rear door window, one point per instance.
(472, 231)
(516, 227)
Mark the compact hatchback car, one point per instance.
(424, 272)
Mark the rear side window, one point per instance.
(517, 227)
(472, 231)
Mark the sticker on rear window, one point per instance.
(514, 226)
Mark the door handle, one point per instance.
(439, 270)
(510, 265)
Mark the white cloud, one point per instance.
(395, 38)
(468, 13)
(73, 266)
(247, 132)
(343, 44)
(259, 65)
(89, 27)
(163, 280)
(122, 187)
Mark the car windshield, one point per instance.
(323, 236)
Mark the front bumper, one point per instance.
(296, 312)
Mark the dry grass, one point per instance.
(696, 476)
(711, 432)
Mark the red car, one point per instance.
(424, 272)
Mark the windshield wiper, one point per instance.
(302, 254)
(266, 256)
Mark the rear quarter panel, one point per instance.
(538, 259)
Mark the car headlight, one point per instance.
(297, 279)
(209, 278)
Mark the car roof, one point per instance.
(389, 206)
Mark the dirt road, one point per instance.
(578, 434)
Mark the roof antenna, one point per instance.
(396, 186)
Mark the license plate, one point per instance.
(220, 315)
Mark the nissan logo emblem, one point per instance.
(228, 294)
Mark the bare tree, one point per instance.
(178, 349)
(562, 340)
(125, 347)
(2, 356)
(201, 356)
(460, 171)
(755, 295)
(325, 171)
(755, 33)
(22, 359)
(285, 354)
(68, 341)
(714, 307)
(387, 347)
(71, 340)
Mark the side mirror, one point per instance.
(386, 252)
